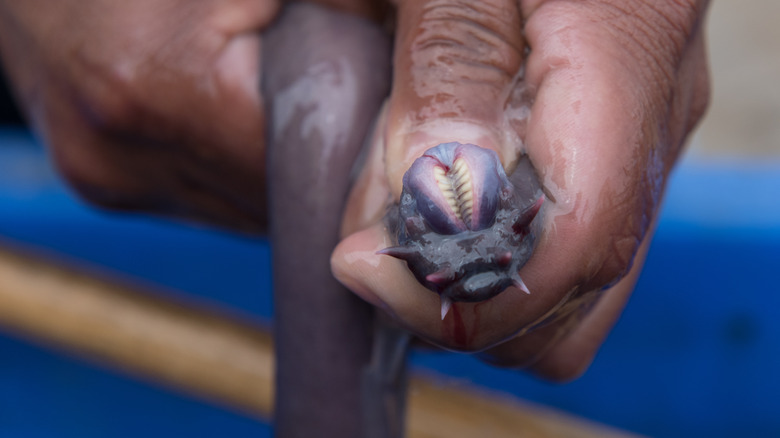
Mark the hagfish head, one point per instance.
(456, 187)
(462, 227)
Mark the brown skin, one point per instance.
(120, 92)
(131, 99)
(616, 89)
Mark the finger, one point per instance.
(572, 355)
(563, 348)
(370, 194)
(596, 141)
(126, 174)
(593, 135)
(592, 140)
(599, 138)
(176, 119)
(455, 64)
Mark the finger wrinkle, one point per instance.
(459, 41)
(656, 34)
(455, 64)
(440, 47)
(478, 24)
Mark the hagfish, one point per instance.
(325, 75)
(463, 227)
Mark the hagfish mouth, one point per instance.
(463, 229)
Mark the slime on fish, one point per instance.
(463, 227)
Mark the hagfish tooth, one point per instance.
(463, 228)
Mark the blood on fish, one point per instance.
(455, 327)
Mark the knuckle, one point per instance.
(95, 182)
(112, 103)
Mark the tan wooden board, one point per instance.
(214, 356)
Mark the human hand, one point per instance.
(610, 91)
(150, 105)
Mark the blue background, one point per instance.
(695, 353)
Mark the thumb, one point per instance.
(456, 65)
(457, 70)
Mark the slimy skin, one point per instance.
(463, 228)
(321, 82)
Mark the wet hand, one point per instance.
(601, 103)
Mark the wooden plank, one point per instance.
(439, 409)
(216, 357)
(201, 352)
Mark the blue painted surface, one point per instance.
(694, 354)
(46, 395)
